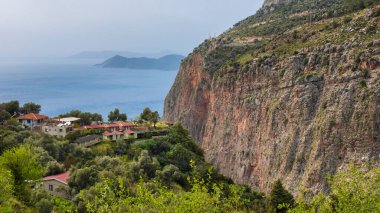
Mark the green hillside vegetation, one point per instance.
(166, 174)
(169, 174)
(286, 30)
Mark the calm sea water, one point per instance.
(61, 85)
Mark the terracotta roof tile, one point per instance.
(32, 116)
(63, 177)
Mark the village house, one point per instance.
(60, 127)
(117, 126)
(116, 135)
(32, 120)
(57, 185)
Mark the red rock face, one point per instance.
(256, 126)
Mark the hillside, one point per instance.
(290, 93)
(168, 62)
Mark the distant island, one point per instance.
(110, 53)
(168, 62)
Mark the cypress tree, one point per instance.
(279, 195)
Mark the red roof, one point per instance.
(60, 177)
(106, 133)
(128, 131)
(32, 116)
(118, 124)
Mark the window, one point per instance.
(51, 188)
(60, 130)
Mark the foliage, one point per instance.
(6, 189)
(44, 205)
(353, 190)
(121, 147)
(4, 115)
(30, 108)
(280, 196)
(145, 115)
(114, 196)
(53, 168)
(22, 163)
(86, 118)
(62, 205)
(82, 178)
(149, 116)
(12, 107)
(117, 116)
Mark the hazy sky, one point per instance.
(64, 27)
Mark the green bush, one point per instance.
(352, 190)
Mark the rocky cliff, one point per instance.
(292, 93)
(275, 2)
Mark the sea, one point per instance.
(64, 84)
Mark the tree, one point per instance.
(97, 117)
(53, 168)
(146, 114)
(121, 147)
(45, 205)
(13, 107)
(155, 117)
(30, 108)
(85, 118)
(6, 190)
(279, 196)
(123, 117)
(117, 116)
(4, 115)
(22, 163)
(83, 178)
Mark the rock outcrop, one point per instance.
(296, 103)
(275, 2)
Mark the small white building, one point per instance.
(60, 127)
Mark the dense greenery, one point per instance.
(86, 117)
(165, 174)
(117, 116)
(167, 168)
(353, 190)
(13, 108)
(149, 116)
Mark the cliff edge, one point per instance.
(292, 93)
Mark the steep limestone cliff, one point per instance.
(290, 94)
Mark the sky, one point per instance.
(60, 28)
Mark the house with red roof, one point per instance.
(116, 135)
(32, 120)
(57, 185)
(117, 126)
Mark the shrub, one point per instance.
(44, 206)
(53, 168)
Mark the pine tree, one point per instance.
(279, 195)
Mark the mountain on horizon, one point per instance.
(110, 53)
(167, 62)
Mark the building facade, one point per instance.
(57, 185)
(32, 120)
